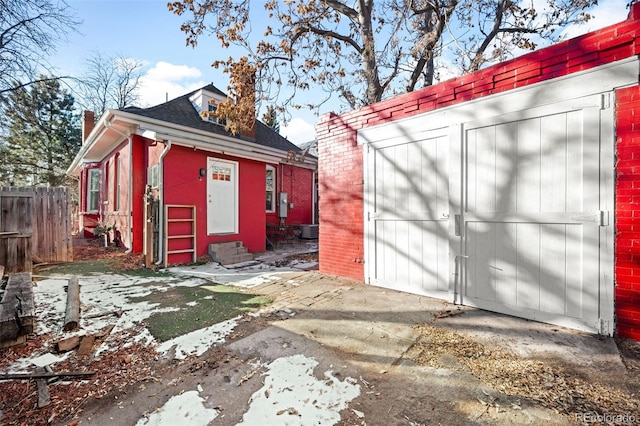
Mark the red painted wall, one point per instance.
(115, 213)
(138, 185)
(340, 166)
(183, 185)
(298, 184)
(130, 156)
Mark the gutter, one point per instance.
(161, 229)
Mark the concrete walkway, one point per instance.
(372, 332)
(364, 313)
(333, 351)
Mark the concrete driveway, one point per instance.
(336, 351)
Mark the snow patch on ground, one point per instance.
(197, 342)
(184, 409)
(246, 277)
(292, 395)
(101, 294)
(107, 293)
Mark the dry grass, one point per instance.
(548, 384)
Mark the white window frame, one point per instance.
(212, 107)
(116, 175)
(273, 188)
(152, 176)
(93, 193)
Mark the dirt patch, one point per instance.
(125, 367)
(295, 259)
(550, 384)
(129, 364)
(89, 249)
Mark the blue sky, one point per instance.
(146, 31)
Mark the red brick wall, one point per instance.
(297, 182)
(340, 165)
(627, 252)
(340, 200)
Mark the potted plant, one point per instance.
(103, 230)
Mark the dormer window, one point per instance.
(211, 116)
(206, 103)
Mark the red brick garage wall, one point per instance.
(627, 253)
(340, 165)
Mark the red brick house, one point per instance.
(169, 180)
(514, 189)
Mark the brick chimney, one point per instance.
(634, 11)
(88, 122)
(250, 97)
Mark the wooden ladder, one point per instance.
(180, 231)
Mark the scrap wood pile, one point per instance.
(112, 372)
(16, 308)
(543, 383)
(46, 394)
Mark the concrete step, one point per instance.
(226, 245)
(229, 253)
(239, 258)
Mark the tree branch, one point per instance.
(42, 80)
(326, 33)
(342, 8)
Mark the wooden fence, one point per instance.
(35, 225)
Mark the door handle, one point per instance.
(457, 218)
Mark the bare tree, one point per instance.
(110, 82)
(367, 50)
(29, 32)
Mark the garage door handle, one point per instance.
(457, 219)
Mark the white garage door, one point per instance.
(531, 217)
(503, 203)
(408, 207)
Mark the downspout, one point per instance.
(161, 229)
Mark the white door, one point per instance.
(531, 213)
(406, 213)
(222, 196)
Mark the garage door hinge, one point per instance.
(600, 217)
(605, 101)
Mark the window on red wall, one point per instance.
(271, 189)
(105, 192)
(93, 190)
(116, 184)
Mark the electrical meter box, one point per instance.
(282, 204)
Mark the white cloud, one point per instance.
(166, 81)
(298, 131)
(606, 13)
(171, 72)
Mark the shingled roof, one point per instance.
(181, 111)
